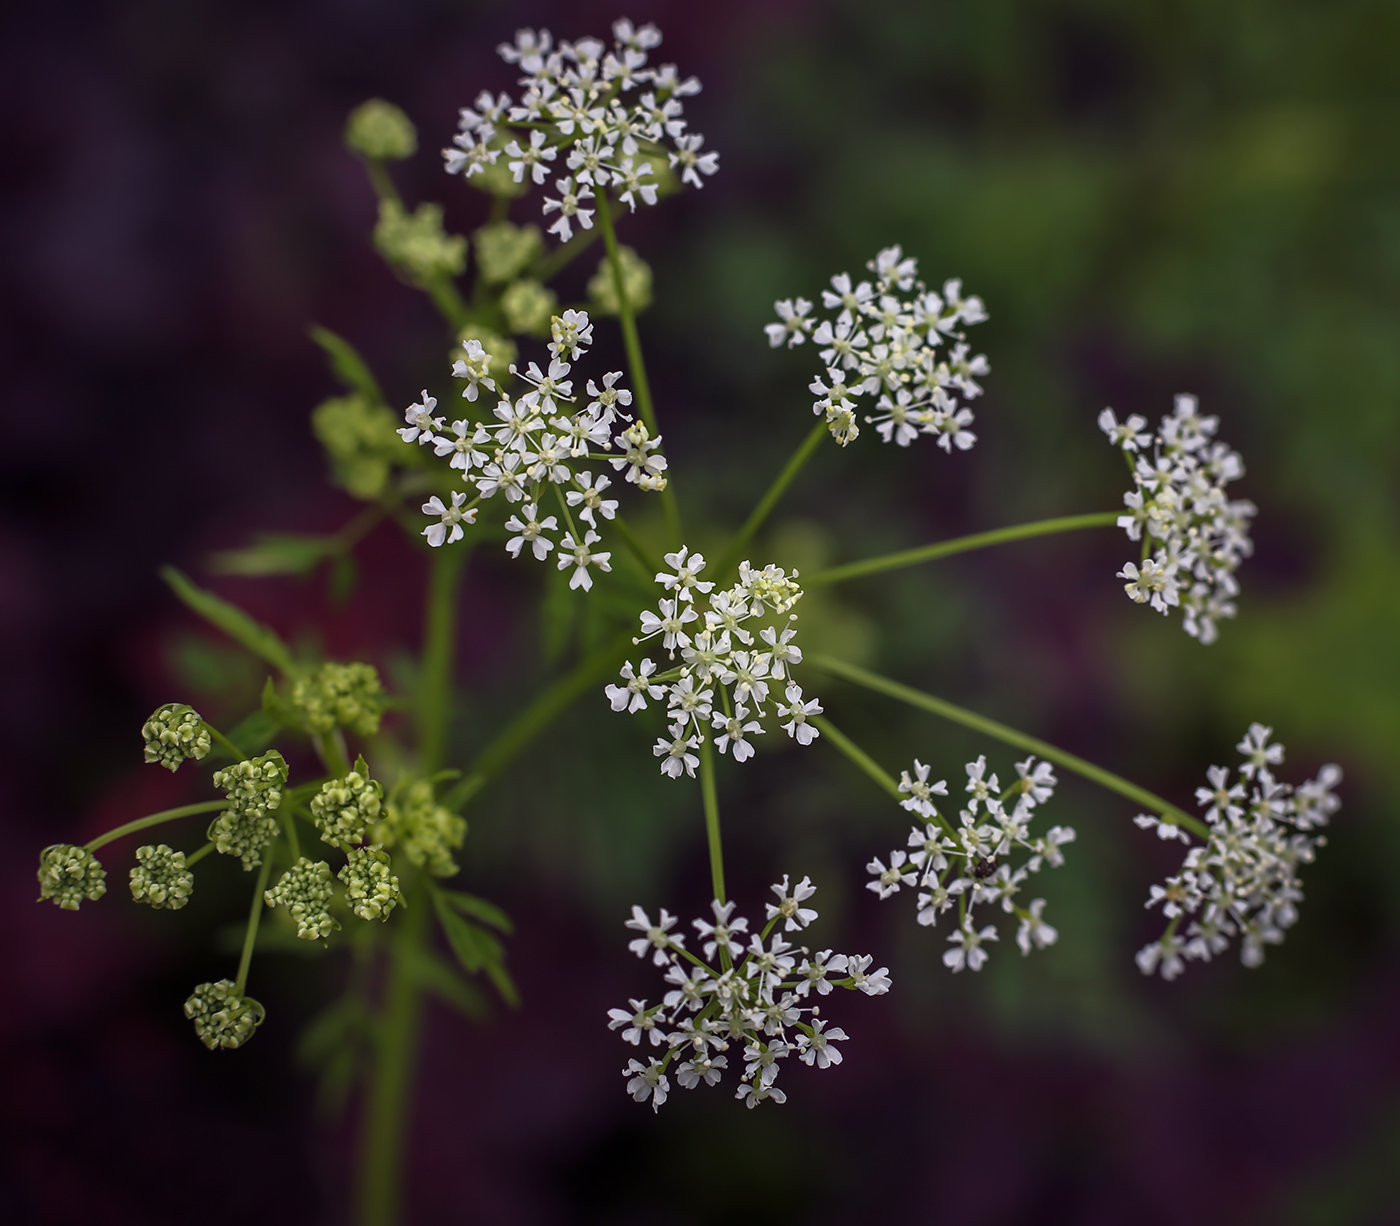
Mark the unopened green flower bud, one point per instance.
(360, 439)
(378, 129)
(221, 1017)
(426, 832)
(160, 878)
(371, 889)
(173, 733)
(416, 243)
(501, 351)
(504, 251)
(636, 283)
(340, 696)
(254, 788)
(68, 874)
(527, 306)
(345, 809)
(305, 890)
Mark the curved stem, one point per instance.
(155, 819)
(962, 544)
(635, 547)
(439, 639)
(711, 800)
(238, 754)
(795, 463)
(195, 857)
(990, 727)
(250, 936)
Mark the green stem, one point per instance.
(330, 747)
(195, 857)
(250, 936)
(439, 639)
(980, 723)
(708, 795)
(155, 819)
(865, 762)
(635, 547)
(548, 266)
(443, 291)
(289, 824)
(795, 463)
(238, 754)
(962, 544)
(386, 1108)
(381, 180)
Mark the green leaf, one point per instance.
(478, 908)
(335, 1043)
(275, 553)
(434, 975)
(229, 618)
(254, 733)
(349, 367)
(476, 949)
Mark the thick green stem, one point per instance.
(330, 748)
(250, 935)
(381, 180)
(386, 1106)
(439, 640)
(962, 544)
(711, 799)
(155, 819)
(980, 723)
(795, 463)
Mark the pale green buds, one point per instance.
(416, 243)
(370, 888)
(68, 874)
(254, 788)
(379, 130)
(173, 733)
(636, 283)
(305, 890)
(360, 438)
(504, 251)
(221, 1017)
(160, 878)
(426, 832)
(528, 306)
(340, 696)
(345, 809)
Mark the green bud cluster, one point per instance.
(504, 250)
(221, 1017)
(416, 244)
(528, 306)
(371, 888)
(68, 874)
(173, 733)
(345, 809)
(160, 878)
(426, 832)
(305, 890)
(636, 283)
(254, 788)
(359, 437)
(340, 696)
(379, 130)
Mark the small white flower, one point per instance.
(646, 1081)
(798, 713)
(921, 791)
(633, 696)
(449, 529)
(968, 952)
(794, 326)
(816, 1047)
(678, 753)
(658, 937)
(637, 1023)
(421, 422)
(1034, 932)
(795, 916)
(581, 556)
(888, 880)
(531, 531)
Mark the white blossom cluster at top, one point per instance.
(736, 642)
(603, 115)
(1243, 880)
(746, 989)
(536, 441)
(966, 865)
(884, 341)
(1193, 537)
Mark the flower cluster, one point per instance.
(221, 1017)
(1193, 537)
(159, 877)
(534, 443)
(746, 991)
(173, 733)
(604, 116)
(1243, 880)
(254, 789)
(344, 809)
(427, 832)
(340, 696)
(68, 874)
(884, 341)
(305, 890)
(969, 864)
(370, 886)
(737, 641)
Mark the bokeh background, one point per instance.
(1153, 197)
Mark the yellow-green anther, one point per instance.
(370, 887)
(504, 251)
(416, 244)
(379, 130)
(305, 890)
(340, 696)
(68, 874)
(426, 832)
(173, 733)
(345, 809)
(636, 283)
(254, 789)
(528, 306)
(160, 878)
(221, 1017)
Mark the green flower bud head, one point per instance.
(305, 890)
(636, 283)
(160, 878)
(359, 437)
(173, 733)
(221, 1017)
(416, 243)
(501, 351)
(68, 874)
(379, 130)
(504, 251)
(254, 788)
(371, 889)
(345, 809)
(426, 832)
(528, 306)
(340, 696)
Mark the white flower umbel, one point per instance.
(964, 866)
(745, 997)
(591, 119)
(734, 680)
(895, 340)
(1243, 880)
(1193, 537)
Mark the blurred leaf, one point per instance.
(335, 1044)
(344, 575)
(349, 367)
(275, 709)
(476, 949)
(478, 908)
(434, 975)
(255, 733)
(274, 553)
(229, 618)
